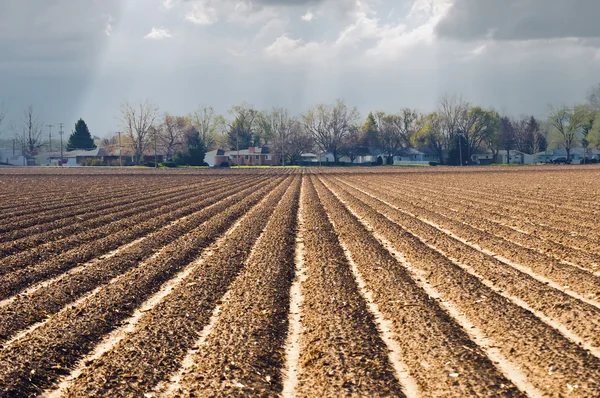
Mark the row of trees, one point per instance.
(31, 137)
(453, 132)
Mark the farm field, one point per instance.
(415, 282)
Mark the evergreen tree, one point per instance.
(81, 138)
(370, 133)
(195, 153)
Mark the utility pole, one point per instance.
(155, 155)
(49, 137)
(460, 135)
(237, 144)
(61, 141)
(120, 151)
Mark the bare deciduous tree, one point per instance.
(299, 142)
(594, 97)
(137, 120)
(171, 134)
(451, 109)
(206, 121)
(329, 124)
(31, 136)
(397, 130)
(276, 126)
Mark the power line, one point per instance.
(61, 141)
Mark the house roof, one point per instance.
(409, 152)
(256, 151)
(574, 151)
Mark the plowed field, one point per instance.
(300, 282)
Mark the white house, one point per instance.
(516, 157)
(576, 156)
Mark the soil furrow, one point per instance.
(14, 282)
(554, 232)
(583, 282)
(449, 350)
(34, 363)
(79, 208)
(42, 244)
(555, 216)
(71, 200)
(487, 223)
(582, 317)
(152, 350)
(551, 362)
(341, 352)
(48, 300)
(292, 345)
(243, 354)
(61, 229)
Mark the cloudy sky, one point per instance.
(82, 58)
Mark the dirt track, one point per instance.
(413, 282)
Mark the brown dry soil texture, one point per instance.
(314, 282)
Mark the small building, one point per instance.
(576, 156)
(253, 156)
(482, 157)
(514, 157)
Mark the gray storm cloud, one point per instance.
(521, 19)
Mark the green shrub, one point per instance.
(433, 163)
(169, 164)
(150, 164)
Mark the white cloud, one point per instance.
(479, 49)
(308, 16)
(109, 25)
(203, 13)
(158, 34)
(286, 49)
(168, 4)
(247, 13)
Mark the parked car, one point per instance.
(561, 160)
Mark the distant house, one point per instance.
(69, 158)
(14, 158)
(514, 157)
(576, 156)
(482, 157)
(253, 156)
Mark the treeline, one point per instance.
(454, 132)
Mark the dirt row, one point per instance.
(165, 333)
(578, 317)
(24, 218)
(536, 188)
(38, 198)
(555, 232)
(556, 215)
(341, 352)
(578, 280)
(52, 249)
(433, 345)
(551, 362)
(21, 278)
(486, 222)
(244, 352)
(35, 362)
(51, 232)
(26, 310)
